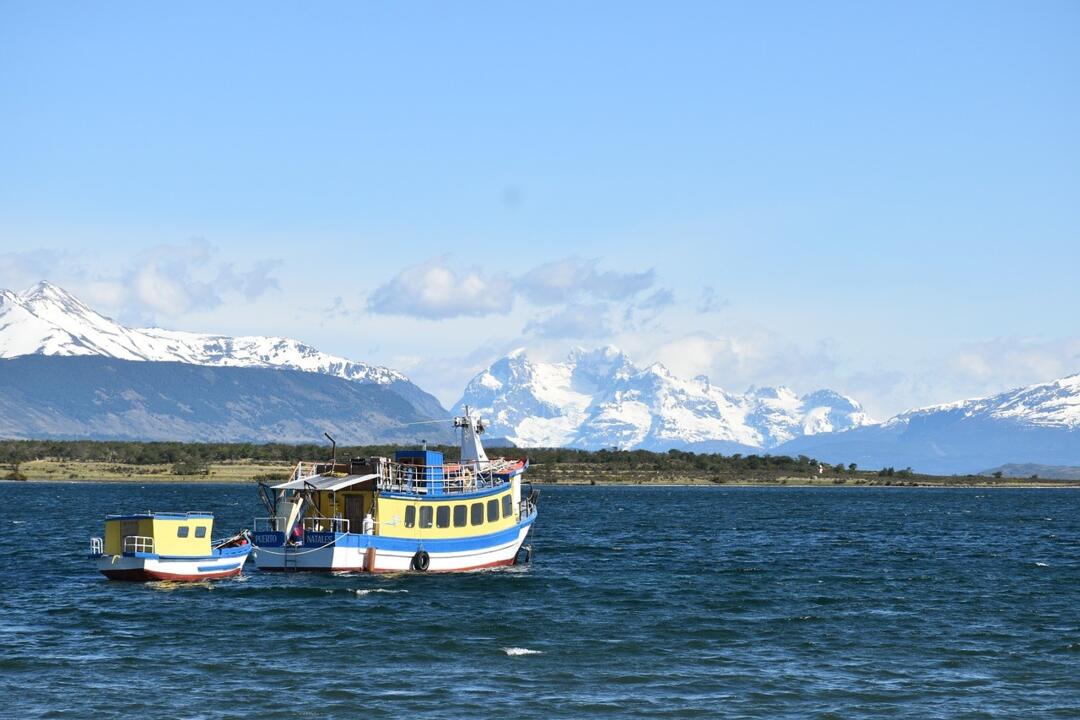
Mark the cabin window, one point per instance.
(425, 516)
(493, 511)
(478, 513)
(200, 532)
(182, 531)
(461, 515)
(442, 516)
(508, 505)
(410, 516)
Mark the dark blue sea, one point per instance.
(639, 602)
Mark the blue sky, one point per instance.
(882, 199)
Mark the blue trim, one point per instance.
(217, 568)
(238, 551)
(477, 542)
(501, 487)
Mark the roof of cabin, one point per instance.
(161, 516)
(325, 482)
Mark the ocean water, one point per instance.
(639, 602)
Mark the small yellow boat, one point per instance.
(167, 546)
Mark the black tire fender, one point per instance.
(421, 561)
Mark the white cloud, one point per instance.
(991, 366)
(711, 302)
(22, 269)
(162, 281)
(754, 357)
(563, 280)
(434, 291)
(584, 321)
(172, 280)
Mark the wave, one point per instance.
(515, 651)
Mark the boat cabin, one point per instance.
(171, 534)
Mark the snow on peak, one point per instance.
(599, 398)
(1049, 404)
(48, 320)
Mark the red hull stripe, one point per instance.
(144, 575)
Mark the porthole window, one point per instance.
(182, 531)
(508, 505)
(461, 515)
(425, 516)
(493, 510)
(478, 513)
(200, 532)
(410, 516)
(442, 516)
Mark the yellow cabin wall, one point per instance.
(166, 541)
(391, 518)
(330, 506)
(163, 530)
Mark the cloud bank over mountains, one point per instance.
(567, 293)
(163, 282)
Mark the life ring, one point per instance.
(421, 560)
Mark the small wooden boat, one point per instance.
(167, 546)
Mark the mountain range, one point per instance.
(600, 399)
(1034, 424)
(67, 371)
(47, 320)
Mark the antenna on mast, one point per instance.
(334, 442)
(472, 450)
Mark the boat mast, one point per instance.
(472, 450)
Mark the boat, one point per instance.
(167, 546)
(413, 512)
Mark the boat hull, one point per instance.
(144, 567)
(368, 553)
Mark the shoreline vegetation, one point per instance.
(117, 461)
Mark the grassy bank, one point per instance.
(236, 462)
(234, 471)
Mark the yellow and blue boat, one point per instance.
(413, 512)
(166, 546)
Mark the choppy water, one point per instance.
(640, 602)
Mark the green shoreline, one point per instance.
(109, 461)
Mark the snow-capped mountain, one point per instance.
(601, 399)
(47, 320)
(1034, 424)
(1049, 404)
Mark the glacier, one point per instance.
(600, 399)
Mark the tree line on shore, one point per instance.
(193, 458)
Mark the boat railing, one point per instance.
(267, 524)
(326, 524)
(138, 543)
(97, 546)
(446, 479)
